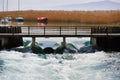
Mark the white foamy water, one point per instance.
(29, 66)
(49, 42)
(87, 66)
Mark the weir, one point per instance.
(102, 37)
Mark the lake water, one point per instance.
(98, 65)
(48, 24)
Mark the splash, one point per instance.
(54, 45)
(28, 66)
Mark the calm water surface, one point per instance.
(49, 24)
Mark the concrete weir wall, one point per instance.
(10, 41)
(107, 43)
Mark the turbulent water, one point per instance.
(100, 65)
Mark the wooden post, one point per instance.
(33, 42)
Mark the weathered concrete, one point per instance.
(108, 43)
(64, 42)
(33, 42)
(94, 41)
(106, 38)
(10, 41)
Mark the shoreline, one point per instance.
(84, 17)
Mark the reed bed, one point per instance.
(87, 17)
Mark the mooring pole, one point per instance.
(33, 42)
(3, 5)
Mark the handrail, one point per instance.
(47, 31)
(59, 31)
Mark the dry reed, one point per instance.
(91, 17)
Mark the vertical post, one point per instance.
(33, 42)
(107, 30)
(76, 30)
(94, 42)
(7, 6)
(3, 5)
(92, 30)
(18, 5)
(44, 30)
(60, 30)
(91, 35)
(4, 42)
(64, 42)
(28, 30)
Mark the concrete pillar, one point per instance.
(64, 42)
(94, 41)
(4, 42)
(10, 41)
(33, 42)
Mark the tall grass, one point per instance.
(94, 17)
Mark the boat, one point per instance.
(19, 20)
(42, 20)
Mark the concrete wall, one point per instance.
(12, 41)
(108, 43)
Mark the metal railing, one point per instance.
(46, 31)
(105, 31)
(56, 31)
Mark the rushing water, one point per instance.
(100, 65)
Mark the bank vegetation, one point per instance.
(88, 17)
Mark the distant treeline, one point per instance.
(89, 17)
